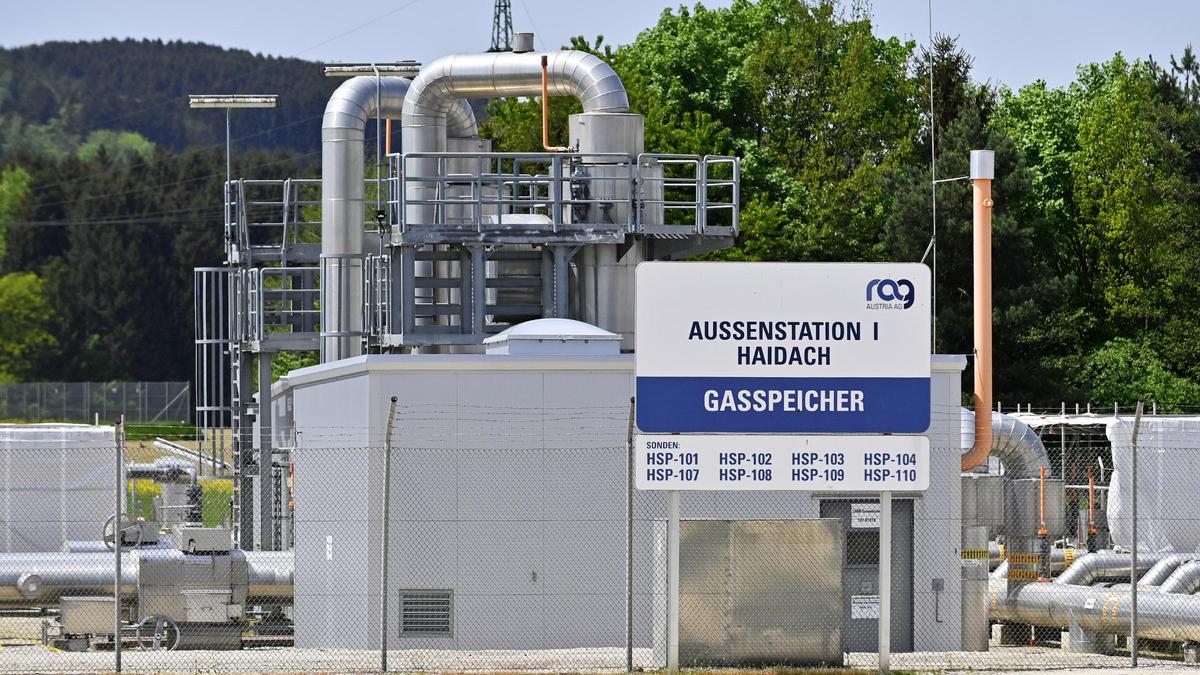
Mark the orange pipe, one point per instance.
(982, 209)
(546, 111)
(387, 138)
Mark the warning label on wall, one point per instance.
(864, 607)
(864, 516)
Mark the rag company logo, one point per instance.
(890, 294)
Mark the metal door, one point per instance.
(860, 518)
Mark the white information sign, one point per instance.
(864, 516)
(766, 462)
(864, 607)
(783, 347)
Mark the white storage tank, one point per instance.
(56, 484)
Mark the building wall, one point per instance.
(509, 487)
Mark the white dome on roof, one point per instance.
(553, 336)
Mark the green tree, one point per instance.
(1126, 371)
(14, 190)
(26, 325)
(122, 146)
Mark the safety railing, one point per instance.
(534, 196)
(282, 300)
(376, 294)
(688, 194)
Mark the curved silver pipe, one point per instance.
(1013, 442)
(1173, 617)
(1185, 579)
(1092, 567)
(429, 105)
(1163, 569)
(343, 130)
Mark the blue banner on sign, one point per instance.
(783, 404)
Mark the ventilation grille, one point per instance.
(425, 612)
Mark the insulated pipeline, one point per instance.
(41, 579)
(1171, 616)
(343, 130)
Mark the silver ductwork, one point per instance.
(1185, 579)
(1092, 567)
(429, 107)
(41, 579)
(1013, 442)
(1163, 569)
(1099, 610)
(350, 108)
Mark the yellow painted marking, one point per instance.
(975, 554)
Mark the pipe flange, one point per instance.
(30, 585)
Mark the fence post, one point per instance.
(118, 541)
(629, 541)
(386, 526)
(1133, 586)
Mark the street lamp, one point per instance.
(229, 102)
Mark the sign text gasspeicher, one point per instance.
(783, 347)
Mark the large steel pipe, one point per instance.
(1013, 442)
(343, 130)
(429, 106)
(1093, 567)
(41, 579)
(1169, 616)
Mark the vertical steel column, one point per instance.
(1133, 586)
(885, 581)
(673, 584)
(243, 444)
(266, 496)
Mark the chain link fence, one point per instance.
(547, 559)
(163, 402)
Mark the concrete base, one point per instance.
(1013, 634)
(1079, 641)
(71, 644)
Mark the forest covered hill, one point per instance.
(110, 187)
(54, 95)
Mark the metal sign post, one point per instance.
(885, 581)
(673, 584)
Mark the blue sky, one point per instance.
(1014, 42)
